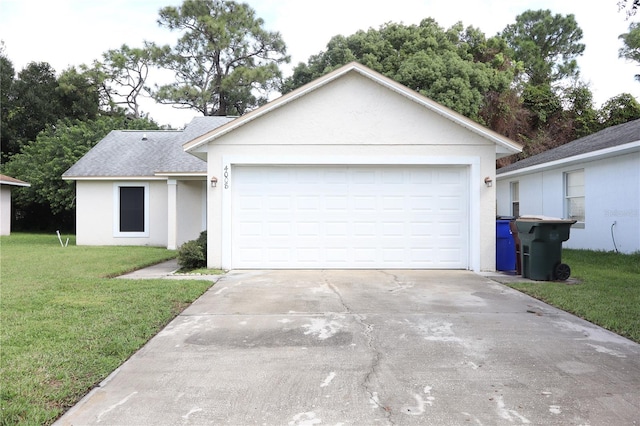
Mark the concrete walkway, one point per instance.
(368, 348)
(166, 270)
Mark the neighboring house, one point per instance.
(6, 184)
(352, 170)
(594, 180)
(141, 188)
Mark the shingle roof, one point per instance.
(607, 138)
(128, 153)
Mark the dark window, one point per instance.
(131, 209)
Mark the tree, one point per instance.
(581, 111)
(125, 71)
(546, 44)
(619, 109)
(37, 99)
(629, 6)
(34, 100)
(631, 48)
(7, 135)
(51, 200)
(456, 67)
(78, 95)
(225, 62)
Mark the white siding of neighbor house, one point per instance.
(95, 214)
(353, 120)
(5, 210)
(612, 195)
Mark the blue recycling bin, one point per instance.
(505, 246)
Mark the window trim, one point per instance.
(567, 198)
(512, 185)
(116, 210)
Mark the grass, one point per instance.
(608, 293)
(65, 325)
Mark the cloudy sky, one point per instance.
(73, 32)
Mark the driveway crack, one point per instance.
(399, 284)
(367, 383)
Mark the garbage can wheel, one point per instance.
(562, 271)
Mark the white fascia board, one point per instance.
(181, 174)
(588, 156)
(11, 183)
(112, 178)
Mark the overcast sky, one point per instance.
(72, 32)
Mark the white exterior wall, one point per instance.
(612, 195)
(95, 214)
(353, 120)
(192, 210)
(5, 210)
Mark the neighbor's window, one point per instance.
(515, 199)
(574, 195)
(131, 211)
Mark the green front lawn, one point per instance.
(608, 293)
(65, 325)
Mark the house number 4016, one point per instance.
(226, 177)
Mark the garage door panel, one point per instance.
(338, 203)
(250, 229)
(278, 202)
(349, 217)
(279, 229)
(247, 203)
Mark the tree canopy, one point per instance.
(546, 44)
(38, 98)
(225, 62)
(455, 67)
(43, 161)
(629, 6)
(631, 45)
(125, 72)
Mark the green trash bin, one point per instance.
(541, 247)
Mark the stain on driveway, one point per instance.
(371, 347)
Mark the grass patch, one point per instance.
(608, 295)
(65, 326)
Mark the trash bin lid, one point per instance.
(544, 219)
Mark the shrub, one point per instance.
(193, 254)
(202, 240)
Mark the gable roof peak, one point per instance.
(504, 146)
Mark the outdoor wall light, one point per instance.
(214, 182)
(488, 181)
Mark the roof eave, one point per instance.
(11, 183)
(112, 178)
(588, 156)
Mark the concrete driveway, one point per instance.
(371, 347)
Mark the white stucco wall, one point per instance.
(192, 210)
(353, 120)
(5, 210)
(612, 195)
(95, 214)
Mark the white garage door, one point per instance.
(350, 217)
